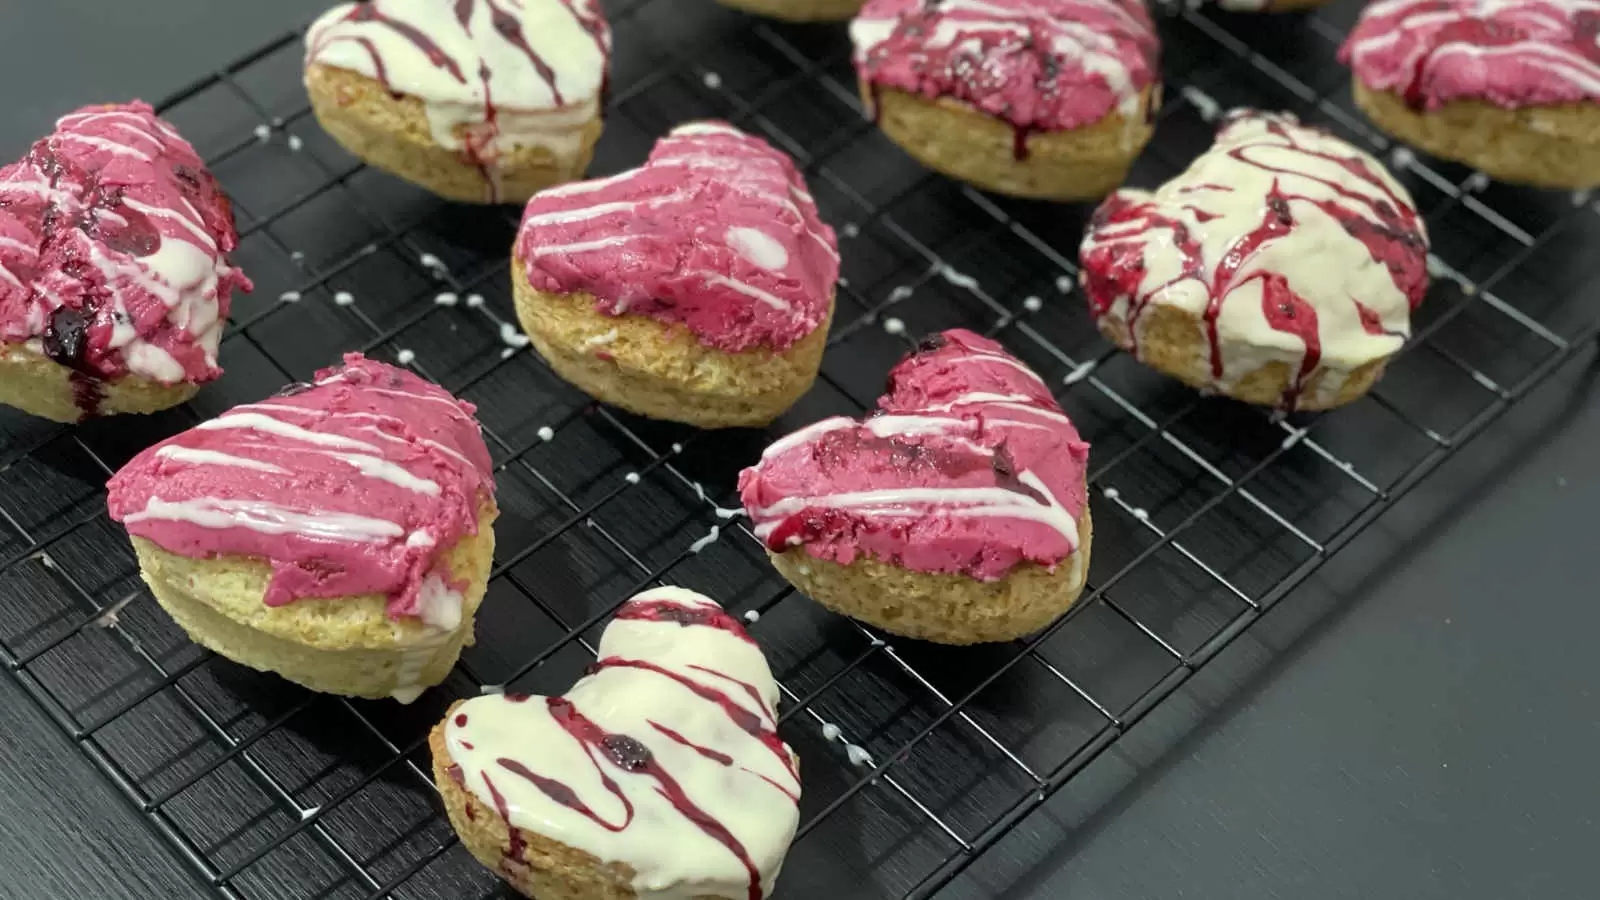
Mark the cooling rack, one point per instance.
(918, 759)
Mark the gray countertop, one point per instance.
(1416, 721)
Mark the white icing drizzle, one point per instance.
(679, 714)
(269, 518)
(507, 73)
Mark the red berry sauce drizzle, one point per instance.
(472, 62)
(583, 766)
(1302, 167)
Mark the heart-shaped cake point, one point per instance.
(114, 277)
(696, 287)
(659, 774)
(956, 512)
(336, 533)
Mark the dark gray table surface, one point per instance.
(1417, 721)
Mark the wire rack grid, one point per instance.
(918, 759)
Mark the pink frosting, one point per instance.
(1042, 65)
(715, 232)
(354, 484)
(967, 466)
(1512, 54)
(113, 243)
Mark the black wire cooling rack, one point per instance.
(917, 758)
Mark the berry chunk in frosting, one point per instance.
(716, 231)
(967, 466)
(113, 250)
(1511, 53)
(356, 483)
(1285, 243)
(1042, 65)
(664, 758)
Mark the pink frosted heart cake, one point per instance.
(955, 512)
(1280, 268)
(337, 533)
(697, 287)
(114, 274)
(659, 774)
(1037, 98)
(1511, 88)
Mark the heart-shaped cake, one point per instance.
(956, 512)
(659, 774)
(337, 533)
(114, 276)
(697, 287)
(1280, 268)
(1509, 88)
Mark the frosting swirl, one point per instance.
(354, 484)
(968, 465)
(716, 232)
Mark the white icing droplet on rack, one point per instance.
(492, 689)
(277, 121)
(830, 731)
(263, 133)
(508, 352)
(1063, 284)
(295, 143)
(1477, 182)
(878, 642)
(309, 811)
(894, 326)
(752, 616)
(678, 448)
(1294, 437)
(727, 513)
(1032, 304)
(712, 80)
(631, 478)
(1401, 158)
(843, 281)
(1141, 514)
(900, 292)
(546, 433)
(344, 298)
(851, 230)
(858, 757)
(1208, 108)
(289, 297)
(46, 561)
(474, 301)
(433, 264)
(110, 618)
(1079, 372)
(708, 540)
(958, 279)
(297, 256)
(405, 357)
(1579, 198)
(446, 299)
(1111, 493)
(512, 337)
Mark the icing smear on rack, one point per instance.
(356, 484)
(1512, 53)
(1042, 65)
(665, 757)
(113, 252)
(715, 231)
(1286, 243)
(492, 74)
(968, 465)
